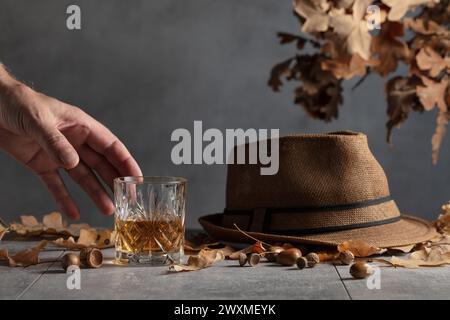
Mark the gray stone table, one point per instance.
(225, 280)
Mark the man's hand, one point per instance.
(46, 135)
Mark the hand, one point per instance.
(46, 135)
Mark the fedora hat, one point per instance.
(329, 188)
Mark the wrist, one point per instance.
(7, 81)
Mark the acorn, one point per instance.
(286, 246)
(360, 270)
(272, 253)
(302, 263)
(242, 259)
(91, 257)
(313, 259)
(70, 259)
(253, 259)
(346, 257)
(289, 257)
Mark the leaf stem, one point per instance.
(249, 236)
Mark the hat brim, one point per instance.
(406, 231)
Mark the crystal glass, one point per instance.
(149, 219)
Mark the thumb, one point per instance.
(57, 147)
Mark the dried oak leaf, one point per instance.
(52, 224)
(328, 255)
(191, 249)
(315, 14)
(346, 68)
(431, 61)
(3, 231)
(442, 224)
(343, 4)
(258, 247)
(105, 238)
(431, 256)
(29, 221)
(402, 99)
(389, 47)
(88, 237)
(401, 249)
(235, 255)
(4, 228)
(398, 8)
(204, 259)
(425, 27)
(353, 29)
(280, 70)
(359, 248)
(289, 38)
(68, 243)
(436, 141)
(25, 257)
(75, 228)
(320, 92)
(432, 93)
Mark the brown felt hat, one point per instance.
(329, 189)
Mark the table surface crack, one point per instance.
(20, 295)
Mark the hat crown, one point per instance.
(317, 170)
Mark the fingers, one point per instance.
(105, 143)
(99, 164)
(57, 146)
(87, 180)
(61, 195)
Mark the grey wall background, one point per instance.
(145, 68)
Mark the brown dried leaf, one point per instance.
(75, 228)
(315, 14)
(53, 224)
(329, 255)
(68, 243)
(348, 67)
(433, 257)
(432, 93)
(105, 238)
(227, 251)
(442, 224)
(353, 29)
(359, 248)
(3, 231)
(204, 259)
(29, 221)
(88, 237)
(403, 249)
(280, 70)
(191, 249)
(235, 255)
(289, 38)
(428, 27)
(24, 258)
(4, 228)
(402, 99)
(398, 8)
(389, 47)
(22, 230)
(431, 61)
(53, 221)
(436, 140)
(258, 247)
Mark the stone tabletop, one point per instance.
(225, 280)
